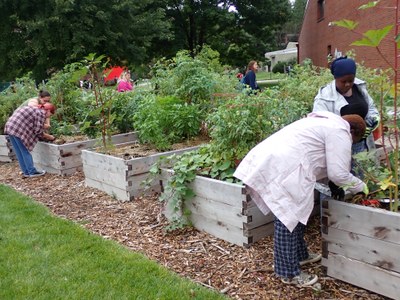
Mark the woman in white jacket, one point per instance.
(346, 95)
(280, 175)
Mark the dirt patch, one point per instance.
(139, 225)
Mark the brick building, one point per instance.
(319, 38)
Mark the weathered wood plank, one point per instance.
(104, 163)
(362, 220)
(220, 230)
(219, 203)
(364, 275)
(256, 218)
(225, 192)
(215, 210)
(3, 139)
(136, 186)
(119, 194)
(5, 158)
(4, 150)
(355, 246)
(112, 179)
(258, 233)
(141, 165)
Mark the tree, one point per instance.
(43, 36)
(240, 29)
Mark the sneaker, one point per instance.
(312, 257)
(301, 280)
(36, 174)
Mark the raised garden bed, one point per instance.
(361, 246)
(119, 177)
(66, 159)
(225, 211)
(6, 152)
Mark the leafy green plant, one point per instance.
(185, 168)
(93, 66)
(162, 121)
(242, 122)
(234, 127)
(193, 80)
(11, 98)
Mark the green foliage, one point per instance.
(14, 96)
(280, 66)
(100, 117)
(373, 38)
(162, 121)
(185, 169)
(67, 96)
(303, 84)
(241, 123)
(43, 38)
(379, 177)
(192, 79)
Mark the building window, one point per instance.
(321, 8)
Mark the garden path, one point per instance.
(139, 225)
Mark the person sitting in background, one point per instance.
(280, 175)
(125, 83)
(24, 128)
(249, 78)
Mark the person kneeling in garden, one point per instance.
(280, 174)
(24, 128)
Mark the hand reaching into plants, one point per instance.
(372, 127)
(337, 193)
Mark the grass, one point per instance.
(263, 75)
(45, 257)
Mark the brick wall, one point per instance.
(317, 36)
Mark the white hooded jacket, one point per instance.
(280, 173)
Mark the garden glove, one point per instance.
(337, 193)
(372, 127)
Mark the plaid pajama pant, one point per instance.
(289, 249)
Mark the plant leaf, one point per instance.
(373, 38)
(369, 5)
(349, 24)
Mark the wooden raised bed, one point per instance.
(226, 211)
(120, 178)
(6, 152)
(66, 159)
(361, 246)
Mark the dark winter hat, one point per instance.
(343, 66)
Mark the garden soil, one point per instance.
(139, 225)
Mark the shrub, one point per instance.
(162, 121)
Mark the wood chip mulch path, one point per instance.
(139, 225)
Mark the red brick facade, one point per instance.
(318, 37)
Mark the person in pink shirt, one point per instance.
(125, 83)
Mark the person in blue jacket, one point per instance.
(249, 80)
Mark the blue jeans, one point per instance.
(24, 157)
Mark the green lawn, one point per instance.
(44, 257)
